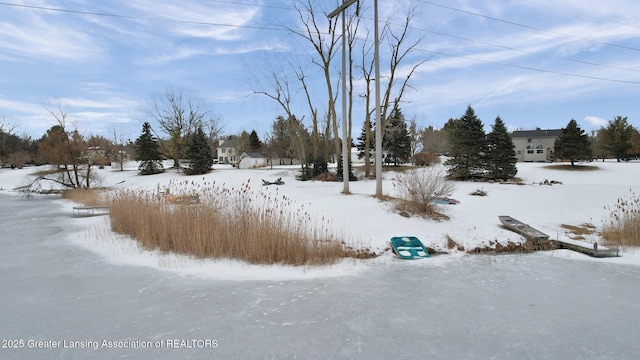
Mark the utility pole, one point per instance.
(376, 60)
(345, 139)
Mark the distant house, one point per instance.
(95, 155)
(535, 145)
(252, 160)
(227, 150)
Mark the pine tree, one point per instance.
(254, 142)
(280, 140)
(617, 136)
(147, 152)
(396, 141)
(468, 146)
(635, 143)
(573, 144)
(198, 154)
(501, 155)
(361, 145)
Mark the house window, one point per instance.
(529, 140)
(222, 150)
(529, 151)
(539, 151)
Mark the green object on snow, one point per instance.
(409, 247)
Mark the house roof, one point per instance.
(255, 155)
(230, 142)
(537, 133)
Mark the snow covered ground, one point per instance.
(70, 282)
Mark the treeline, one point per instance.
(18, 151)
(474, 154)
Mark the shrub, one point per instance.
(417, 191)
(314, 168)
(424, 159)
(623, 225)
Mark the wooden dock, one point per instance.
(85, 211)
(522, 228)
(538, 237)
(588, 249)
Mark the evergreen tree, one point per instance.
(468, 146)
(351, 175)
(617, 136)
(254, 142)
(635, 143)
(396, 142)
(573, 144)
(361, 145)
(279, 141)
(501, 154)
(147, 152)
(199, 153)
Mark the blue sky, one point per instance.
(533, 63)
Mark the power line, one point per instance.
(515, 49)
(131, 17)
(531, 68)
(555, 33)
(595, 17)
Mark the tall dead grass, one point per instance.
(88, 197)
(237, 223)
(622, 226)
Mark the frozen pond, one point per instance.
(537, 306)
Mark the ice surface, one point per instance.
(536, 306)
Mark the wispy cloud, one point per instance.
(48, 40)
(210, 20)
(595, 121)
(544, 57)
(251, 48)
(174, 54)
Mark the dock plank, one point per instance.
(86, 211)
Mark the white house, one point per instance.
(227, 153)
(535, 145)
(252, 161)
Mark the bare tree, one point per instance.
(178, 115)
(415, 136)
(434, 141)
(118, 149)
(315, 136)
(213, 127)
(325, 46)
(367, 74)
(400, 49)
(66, 150)
(281, 93)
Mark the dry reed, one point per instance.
(622, 227)
(220, 222)
(88, 197)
